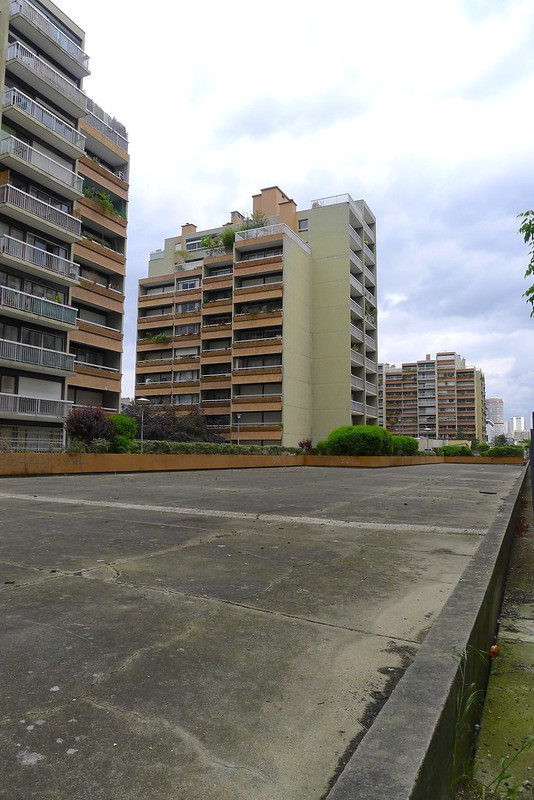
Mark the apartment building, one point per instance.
(273, 333)
(495, 416)
(63, 200)
(434, 398)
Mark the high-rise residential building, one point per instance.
(434, 398)
(516, 424)
(495, 415)
(274, 335)
(63, 199)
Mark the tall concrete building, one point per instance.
(273, 335)
(495, 416)
(63, 200)
(434, 398)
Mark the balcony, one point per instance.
(356, 358)
(30, 162)
(40, 122)
(49, 38)
(356, 333)
(38, 262)
(16, 405)
(356, 383)
(355, 407)
(36, 72)
(20, 304)
(110, 142)
(38, 214)
(36, 358)
(370, 411)
(370, 365)
(277, 231)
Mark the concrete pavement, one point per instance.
(222, 635)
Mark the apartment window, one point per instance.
(193, 244)
(182, 308)
(186, 330)
(49, 341)
(186, 352)
(159, 289)
(91, 357)
(186, 376)
(186, 399)
(192, 283)
(303, 224)
(8, 384)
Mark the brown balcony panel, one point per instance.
(188, 338)
(186, 384)
(253, 347)
(220, 258)
(98, 330)
(151, 300)
(259, 265)
(218, 282)
(189, 316)
(261, 243)
(153, 385)
(243, 321)
(94, 377)
(186, 360)
(269, 431)
(217, 331)
(251, 375)
(144, 345)
(257, 403)
(93, 212)
(154, 321)
(223, 406)
(91, 339)
(97, 255)
(86, 128)
(218, 357)
(269, 291)
(146, 367)
(103, 177)
(107, 298)
(222, 383)
(221, 306)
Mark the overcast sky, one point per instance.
(423, 109)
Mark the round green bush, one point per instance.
(404, 445)
(359, 440)
(505, 451)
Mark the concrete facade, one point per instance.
(275, 335)
(63, 204)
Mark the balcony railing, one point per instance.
(370, 411)
(22, 150)
(13, 97)
(25, 201)
(271, 230)
(48, 74)
(111, 134)
(338, 199)
(45, 25)
(355, 407)
(37, 356)
(34, 406)
(21, 301)
(40, 258)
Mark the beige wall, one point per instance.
(297, 344)
(328, 237)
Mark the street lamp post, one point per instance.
(427, 431)
(142, 402)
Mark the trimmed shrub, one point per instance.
(321, 448)
(359, 440)
(99, 446)
(306, 446)
(214, 448)
(505, 451)
(455, 450)
(404, 445)
(123, 433)
(482, 448)
(75, 445)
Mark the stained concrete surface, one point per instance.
(218, 635)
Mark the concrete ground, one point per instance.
(221, 635)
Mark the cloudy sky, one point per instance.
(423, 109)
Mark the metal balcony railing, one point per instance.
(21, 301)
(22, 150)
(45, 25)
(48, 74)
(34, 406)
(25, 201)
(38, 356)
(40, 258)
(271, 230)
(111, 134)
(13, 97)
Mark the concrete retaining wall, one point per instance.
(86, 463)
(408, 752)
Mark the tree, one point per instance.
(87, 423)
(526, 229)
(500, 440)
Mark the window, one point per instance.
(187, 330)
(186, 399)
(8, 384)
(186, 376)
(182, 308)
(303, 224)
(193, 283)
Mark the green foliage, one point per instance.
(359, 440)
(256, 220)
(75, 445)
(500, 440)
(99, 446)
(404, 445)
(506, 451)
(454, 450)
(526, 229)
(321, 448)
(214, 448)
(228, 237)
(483, 448)
(123, 425)
(87, 423)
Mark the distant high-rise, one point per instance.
(495, 415)
(439, 398)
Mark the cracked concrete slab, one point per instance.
(235, 650)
